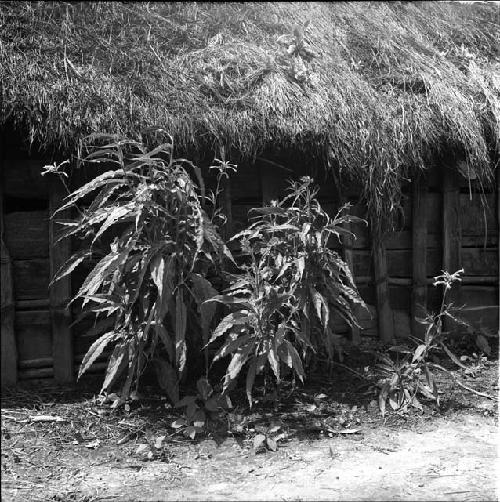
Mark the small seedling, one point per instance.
(200, 409)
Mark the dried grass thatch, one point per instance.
(376, 90)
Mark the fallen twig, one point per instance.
(460, 384)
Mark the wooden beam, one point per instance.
(419, 255)
(60, 292)
(452, 233)
(385, 317)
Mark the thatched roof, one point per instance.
(376, 89)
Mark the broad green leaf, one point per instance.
(231, 320)
(71, 264)
(180, 330)
(417, 355)
(116, 215)
(104, 178)
(95, 351)
(231, 345)
(320, 306)
(227, 300)
(271, 444)
(452, 356)
(97, 276)
(272, 357)
(185, 401)
(177, 424)
(118, 362)
(237, 362)
(296, 361)
(259, 441)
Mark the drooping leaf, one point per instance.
(417, 355)
(180, 331)
(296, 361)
(452, 356)
(237, 362)
(95, 351)
(116, 215)
(271, 444)
(89, 187)
(231, 345)
(118, 362)
(228, 322)
(71, 264)
(272, 357)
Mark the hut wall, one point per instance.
(425, 244)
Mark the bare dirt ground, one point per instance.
(332, 445)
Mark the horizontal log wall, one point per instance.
(411, 257)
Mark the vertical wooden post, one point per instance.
(419, 254)
(347, 245)
(384, 312)
(452, 232)
(59, 292)
(9, 349)
(498, 241)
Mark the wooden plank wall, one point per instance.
(442, 225)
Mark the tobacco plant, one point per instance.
(147, 287)
(411, 374)
(284, 299)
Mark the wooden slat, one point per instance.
(27, 234)
(9, 349)
(32, 304)
(33, 334)
(478, 220)
(479, 261)
(384, 312)
(451, 233)
(59, 293)
(31, 278)
(419, 256)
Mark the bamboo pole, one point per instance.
(419, 255)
